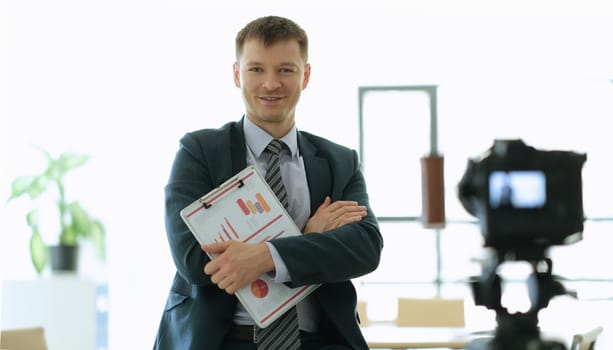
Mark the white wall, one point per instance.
(123, 80)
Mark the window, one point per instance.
(398, 121)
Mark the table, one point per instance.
(68, 307)
(390, 336)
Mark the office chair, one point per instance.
(586, 341)
(435, 312)
(23, 339)
(364, 321)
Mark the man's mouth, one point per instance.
(270, 98)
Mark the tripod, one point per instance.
(517, 331)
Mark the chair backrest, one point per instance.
(586, 341)
(364, 321)
(23, 339)
(436, 312)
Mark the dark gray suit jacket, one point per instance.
(197, 314)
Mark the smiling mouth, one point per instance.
(270, 98)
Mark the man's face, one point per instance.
(271, 80)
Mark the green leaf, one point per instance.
(57, 167)
(45, 153)
(67, 161)
(80, 219)
(38, 252)
(32, 218)
(97, 237)
(68, 236)
(20, 186)
(51, 171)
(38, 186)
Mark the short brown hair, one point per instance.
(270, 30)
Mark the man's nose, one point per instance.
(271, 81)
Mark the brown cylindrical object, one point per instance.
(432, 192)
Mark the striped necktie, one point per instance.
(282, 333)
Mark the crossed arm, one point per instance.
(239, 264)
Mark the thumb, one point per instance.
(215, 248)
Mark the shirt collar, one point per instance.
(257, 139)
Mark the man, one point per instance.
(326, 195)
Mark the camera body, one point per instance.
(524, 197)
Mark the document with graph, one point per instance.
(245, 208)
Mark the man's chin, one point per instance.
(270, 116)
(273, 117)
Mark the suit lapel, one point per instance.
(317, 172)
(238, 150)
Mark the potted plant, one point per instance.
(75, 224)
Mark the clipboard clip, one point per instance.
(204, 203)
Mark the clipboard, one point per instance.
(245, 208)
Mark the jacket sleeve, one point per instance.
(189, 180)
(340, 254)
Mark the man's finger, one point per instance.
(222, 283)
(216, 278)
(210, 268)
(351, 219)
(215, 248)
(226, 283)
(340, 204)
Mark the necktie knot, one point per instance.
(275, 146)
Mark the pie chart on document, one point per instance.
(259, 288)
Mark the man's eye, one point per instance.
(255, 69)
(286, 70)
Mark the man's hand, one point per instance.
(333, 215)
(238, 264)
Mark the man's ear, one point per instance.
(307, 76)
(237, 75)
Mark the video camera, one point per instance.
(526, 200)
(523, 196)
